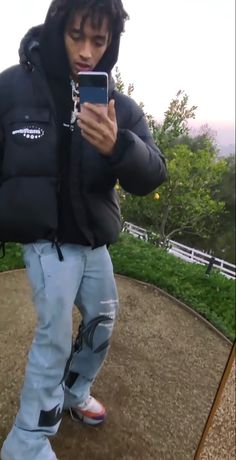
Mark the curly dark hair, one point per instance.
(95, 10)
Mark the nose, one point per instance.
(85, 51)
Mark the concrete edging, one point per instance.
(15, 270)
(183, 306)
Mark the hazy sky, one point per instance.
(168, 45)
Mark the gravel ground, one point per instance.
(158, 383)
(221, 439)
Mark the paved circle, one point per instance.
(158, 383)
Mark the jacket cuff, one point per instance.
(124, 139)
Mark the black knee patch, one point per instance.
(86, 334)
(50, 418)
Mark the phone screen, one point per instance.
(93, 88)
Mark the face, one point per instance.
(86, 47)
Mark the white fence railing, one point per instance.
(185, 252)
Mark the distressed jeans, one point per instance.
(59, 374)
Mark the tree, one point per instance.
(119, 83)
(205, 138)
(224, 243)
(175, 118)
(184, 204)
(175, 122)
(187, 203)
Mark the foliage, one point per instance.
(12, 259)
(119, 83)
(213, 297)
(188, 202)
(176, 117)
(221, 241)
(227, 189)
(120, 86)
(224, 243)
(205, 139)
(185, 202)
(175, 122)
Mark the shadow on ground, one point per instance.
(158, 383)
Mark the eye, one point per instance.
(99, 43)
(75, 35)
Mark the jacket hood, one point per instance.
(47, 41)
(29, 47)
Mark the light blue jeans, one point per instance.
(59, 375)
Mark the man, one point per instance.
(58, 170)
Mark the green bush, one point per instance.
(213, 297)
(12, 259)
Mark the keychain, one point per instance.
(75, 98)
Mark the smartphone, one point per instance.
(93, 88)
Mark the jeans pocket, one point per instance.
(34, 269)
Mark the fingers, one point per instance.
(95, 141)
(92, 111)
(100, 112)
(99, 128)
(88, 130)
(95, 122)
(88, 120)
(112, 111)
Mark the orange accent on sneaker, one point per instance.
(92, 412)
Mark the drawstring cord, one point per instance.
(55, 243)
(59, 251)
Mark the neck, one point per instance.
(74, 78)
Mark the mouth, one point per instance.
(83, 67)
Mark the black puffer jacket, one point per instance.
(29, 163)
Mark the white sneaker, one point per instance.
(92, 412)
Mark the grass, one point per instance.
(12, 259)
(213, 297)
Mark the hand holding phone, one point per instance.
(101, 134)
(97, 117)
(93, 89)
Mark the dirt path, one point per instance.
(158, 383)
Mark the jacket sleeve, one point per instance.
(1, 152)
(137, 162)
(2, 98)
